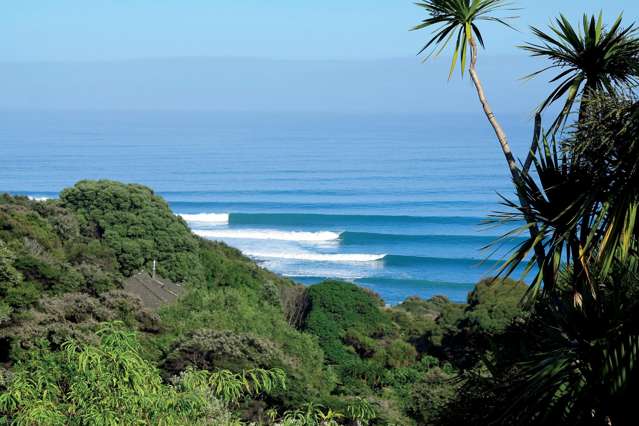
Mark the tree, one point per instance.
(591, 58)
(138, 226)
(459, 19)
(580, 205)
(584, 198)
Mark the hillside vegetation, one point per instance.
(240, 345)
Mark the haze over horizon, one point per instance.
(252, 56)
(400, 85)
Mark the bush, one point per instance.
(110, 383)
(430, 397)
(241, 315)
(74, 316)
(138, 226)
(494, 304)
(337, 307)
(209, 350)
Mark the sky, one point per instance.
(258, 55)
(90, 30)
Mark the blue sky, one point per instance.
(86, 30)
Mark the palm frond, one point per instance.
(461, 17)
(591, 56)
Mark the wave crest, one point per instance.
(268, 234)
(208, 218)
(320, 257)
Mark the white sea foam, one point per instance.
(268, 234)
(208, 218)
(39, 198)
(330, 274)
(321, 257)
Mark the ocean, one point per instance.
(395, 203)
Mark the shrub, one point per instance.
(430, 397)
(337, 307)
(110, 383)
(138, 226)
(494, 304)
(76, 316)
(241, 315)
(209, 350)
(400, 354)
(9, 275)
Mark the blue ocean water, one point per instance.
(394, 203)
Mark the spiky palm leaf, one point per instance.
(584, 197)
(590, 57)
(458, 19)
(615, 149)
(557, 197)
(585, 367)
(585, 328)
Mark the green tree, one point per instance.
(459, 20)
(337, 308)
(590, 58)
(138, 226)
(494, 304)
(584, 197)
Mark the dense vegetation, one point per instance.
(244, 345)
(336, 351)
(574, 359)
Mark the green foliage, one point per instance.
(373, 348)
(400, 354)
(110, 383)
(41, 243)
(138, 226)
(210, 349)
(73, 316)
(583, 198)
(337, 307)
(361, 410)
(10, 280)
(233, 387)
(458, 19)
(430, 395)
(252, 333)
(598, 58)
(494, 304)
(463, 334)
(425, 323)
(9, 275)
(311, 415)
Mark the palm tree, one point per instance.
(584, 199)
(589, 58)
(459, 19)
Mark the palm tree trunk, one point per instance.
(499, 131)
(510, 159)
